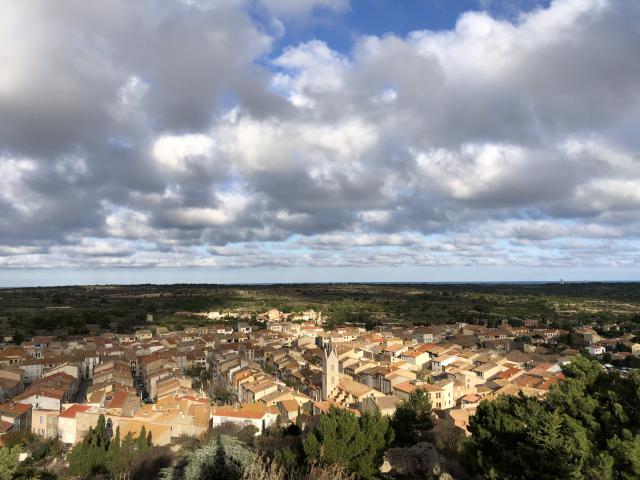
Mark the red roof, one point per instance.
(118, 399)
(15, 408)
(73, 410)
(510, 372)
(5, 426)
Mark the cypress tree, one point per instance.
(100, 432)
(114, 454)
(142, 440)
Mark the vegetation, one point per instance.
(355, 443)
(9, 462)
(411, 421)
(225, 458)
(341, 447)
(79, 310)
(588, 427)
(98, 453)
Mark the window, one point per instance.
(41, 419)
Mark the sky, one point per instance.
(242, 141)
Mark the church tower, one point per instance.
(330, 374)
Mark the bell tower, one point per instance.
(330, 374)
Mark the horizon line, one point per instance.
(266, 284)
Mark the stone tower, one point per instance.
(330, 374)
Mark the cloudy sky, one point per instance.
(319, 140)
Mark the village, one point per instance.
(276, 368)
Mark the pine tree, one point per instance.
(411, 421)
(358, 444)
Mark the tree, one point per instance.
(141, 443)
(411, 421)
(220, 463)
(120, 454)
(222, 459)
(91, 456)
(517, 438)
(100, 432)
(355, 443)
(587, 427)
(18, 338)
(9, 461)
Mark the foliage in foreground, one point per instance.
(588, 427)
(9, 461)
(264, 469)
(341, 447)
(225, 458)
(411, 421)
(358, 444)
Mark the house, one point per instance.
(44, 422)
(11, 382)
(385, 405)
(243, 327)
(16, 414)
(143, 334)
(596, 350)
(417, 359)
(32, 368)
(440, 393)
(257, 415)
(439, 363)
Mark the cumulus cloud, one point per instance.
(156, 133)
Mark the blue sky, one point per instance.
(382, 17)
(319, 140)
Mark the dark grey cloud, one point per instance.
(166, 133)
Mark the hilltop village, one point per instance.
(276, 368)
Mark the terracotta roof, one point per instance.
(41, 391)
(248, 410)
(118, 399)
(510, 372)
(289, 405)
(5, 426)
(471, 398)
(15, 408)
(73, 410)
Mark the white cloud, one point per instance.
(180, 153)
(161, 130)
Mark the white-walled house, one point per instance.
(595, 350)
(256, 414)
